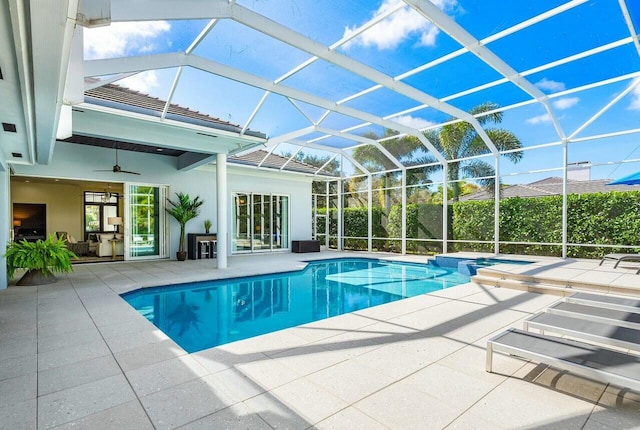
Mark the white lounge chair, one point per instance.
(596, 314)
(581, 329)
(628, 304)
(600, 364)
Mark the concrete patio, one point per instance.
(75, 355)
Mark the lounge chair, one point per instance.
(596, 314)
(603, 333)
(600, 364)
(618, 258)
(619, 303)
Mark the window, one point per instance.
(261, 222)
(98, 207)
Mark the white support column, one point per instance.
(339, 244)
(326, 218)
(565, 159)
(369, 214)
(404, 211)
(445, 207)
(223, 222)
(496, 215)
(6, 223)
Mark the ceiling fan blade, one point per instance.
(116, 167)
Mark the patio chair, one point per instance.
(593, 362)
(78, 248)
(619, 303)
(596, 314)
(618, 258)
(578, 328)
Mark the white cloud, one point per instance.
(122, 38)
(549, 85)
(398, 27)
(413, 122)
(142, 82)
(635, 97)
(539, 119)
(566, 103)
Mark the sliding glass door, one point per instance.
(280, 205)
(146, 224)
(261, 222)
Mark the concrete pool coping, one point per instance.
(74, 354)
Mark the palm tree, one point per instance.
(184, 210)
(454, 141)
(332, 167)
(408, 150)
(461, 140)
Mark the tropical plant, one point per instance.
(329, 166)
(461, 140)
(454, 141)
(183, 210)
(207, 225)
(409, 151)
(40, 259)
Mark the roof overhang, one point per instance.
(100, 121)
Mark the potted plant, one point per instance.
(183, 210)
(207, 225)
(40, 259)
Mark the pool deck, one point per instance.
(75, 355)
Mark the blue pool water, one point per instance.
(206, 314)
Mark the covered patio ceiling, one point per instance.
(319, 77)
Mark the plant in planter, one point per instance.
(207, 225)
(184, 210)
(40, 259)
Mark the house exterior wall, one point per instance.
(5, 222)
(72, 161)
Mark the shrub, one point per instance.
(46, 256)
(598, 218)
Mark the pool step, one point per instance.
(516, 284)
(491, 278)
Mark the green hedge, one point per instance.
(424, 221)
(600, 218)
(355, 225)
(603, 218)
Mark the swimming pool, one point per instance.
(207, 314)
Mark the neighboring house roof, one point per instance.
(551, 187)
(112, 95)
(274, 161)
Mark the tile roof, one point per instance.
(550, 187)
(117, 96)
(274, 161)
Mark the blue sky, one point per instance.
(402, 41)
